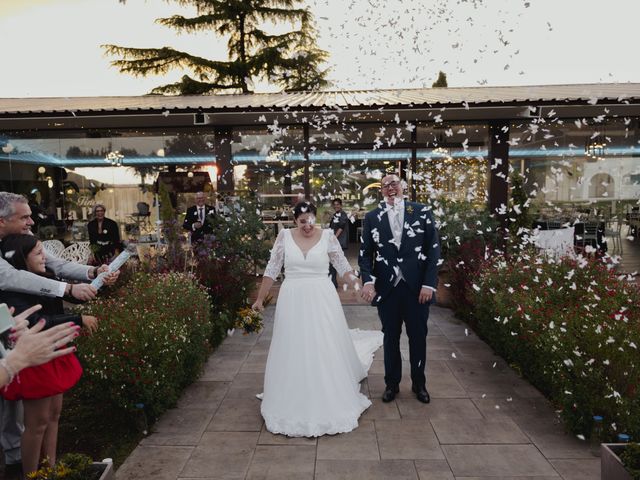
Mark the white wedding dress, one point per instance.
(315, 363)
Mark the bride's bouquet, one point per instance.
(249, 320)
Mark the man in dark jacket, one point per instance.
(399, 259)
(340, 226)
(195, 220)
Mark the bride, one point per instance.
(315, 363)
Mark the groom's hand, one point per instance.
(368, 292)
(425, 295)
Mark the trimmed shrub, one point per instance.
(573, 328)
(152, 342)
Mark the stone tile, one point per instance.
(583, 469)
(172, 439)
(237, 415)
(516, 407)
(465, 367)
(552, 440)
(221, 455)
(435, 367)
(381, 411)
(365, 470)
(268, 438)
(360, 444)
(243, 380)
(478, 431)
(475, 351)
(450, 408)
(203, 395)
(497, 460)
(159, 463)
(445, 385)
(282, 463)
(183, 420)
(223, 367)
(434, 470)
(255, 363)
(411, 439)
(535, 477)
(376, 384)
(377, 366)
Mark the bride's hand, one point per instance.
(258, 306)
(354, 282)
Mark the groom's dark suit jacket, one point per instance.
(417, 258)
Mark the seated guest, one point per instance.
(104, 235)
(195, 220)
(40, 388)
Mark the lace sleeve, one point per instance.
(277, 257)
(336, 255)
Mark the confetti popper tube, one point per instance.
(120, 260)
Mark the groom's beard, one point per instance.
(393, 200)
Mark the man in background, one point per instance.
(195, 221)
(340, 226)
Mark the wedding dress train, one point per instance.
(315, 363)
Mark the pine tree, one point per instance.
(441, 82)
(290, 60)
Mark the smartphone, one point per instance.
(6, 322)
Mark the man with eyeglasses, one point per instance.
(15, 218)
(399, 259)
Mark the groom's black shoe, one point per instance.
(389, 394)
(421, 394)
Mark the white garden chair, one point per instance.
(53, 247)
(79, 252)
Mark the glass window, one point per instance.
(578, 165)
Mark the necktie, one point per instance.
(201, 214)
(396, 226)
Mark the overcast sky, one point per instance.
(52, 47)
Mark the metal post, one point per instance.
(499, 171)
(305, 151)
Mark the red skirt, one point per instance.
(51, 378)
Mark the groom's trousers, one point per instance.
(401, 305)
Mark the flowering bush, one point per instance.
(460, 222)
(573, 328)
(72, 466)
(467, 237)
(152, 342)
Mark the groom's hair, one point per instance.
(304, 207)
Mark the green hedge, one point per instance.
(573, 328)
(153, 340)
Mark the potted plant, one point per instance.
(620, 461)
(74, 466)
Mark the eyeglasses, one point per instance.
(393, 184)
(100, 211)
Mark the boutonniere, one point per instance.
(104, 231)
(410, 209)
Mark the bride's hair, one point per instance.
(304, 207)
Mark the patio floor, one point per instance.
(483, 422)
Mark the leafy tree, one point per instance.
(441, 82)
(291, 60)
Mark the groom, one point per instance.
(399, 260)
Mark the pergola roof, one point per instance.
(583, 94)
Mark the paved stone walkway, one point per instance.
(483, 422)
